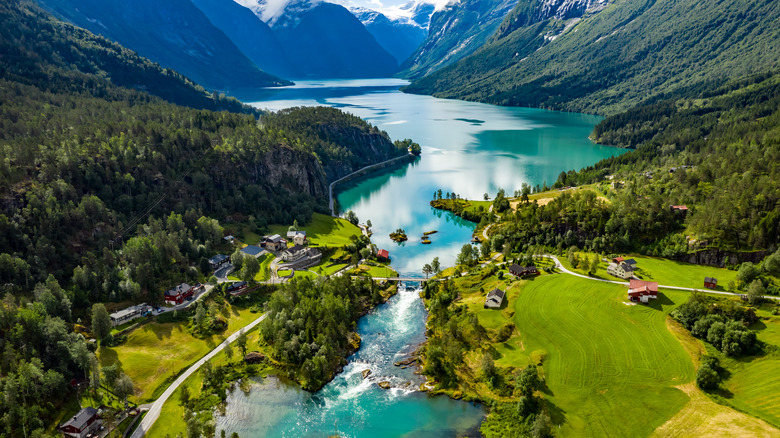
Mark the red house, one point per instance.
(178, 294)
(710, 282)
(85, 421)
(383, 254)
(642, 291)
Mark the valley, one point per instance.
(424, 218)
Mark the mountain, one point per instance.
(400, 34)
(590, 56)
(173, 33)
(324, 40)
(250, 34)
(456, 31)
(69, 58)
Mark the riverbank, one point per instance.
(403, 159)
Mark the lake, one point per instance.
(467, 148)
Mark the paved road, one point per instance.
(156, 408)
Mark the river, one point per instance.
(467, 148)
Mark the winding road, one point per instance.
(156, 408)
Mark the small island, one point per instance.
(399, 236)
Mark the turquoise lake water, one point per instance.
(467, 148)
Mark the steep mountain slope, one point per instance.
(592, 58)
(324, 40)
(250, 34)
(455, 32)
(400, 36)
(69, 58)
(173, 33)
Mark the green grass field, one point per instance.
(603, 360)
(265, 263)
(156, 352)
(374, 271)
(323, 230)
(756, 388)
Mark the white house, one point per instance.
(294, 253)
(494, 299)
(297, 237)
(122, 316)
(621, 270)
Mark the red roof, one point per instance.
(679, 207)
(639, 287)
(383, 253)
(617, 259)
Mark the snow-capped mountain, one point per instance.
(323, 39)
(400, 33)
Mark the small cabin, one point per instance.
(274, 243)
(83, 423)
(218, 261)
(520, 271)
(710, 282)
(494, 299)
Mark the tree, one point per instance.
(241, 341)
(351, 217)
(237, 259)
(747, 273)
(368, 224)
(435, 265)
(707, 378)
(200, 316)
(486, 196)
(251, 268)
(755, 292)
(101, 321)
(228, 350)
(772, 264)
(124, 387)
(427, 270)
(525, 191)
(111, 374)
(542, 427)
(94, 367)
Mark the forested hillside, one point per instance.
(108, 193)
(607, 61)
(717, 154)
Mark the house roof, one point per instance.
(252, 250)
(236, 285)
(295, 249)
(219, 258)
(515, 267)
(129, 311)
(631, 262)
(292, 234)
(679, 207)
(184, 287)
(229, 237)
(618, 259)
(274, 238)
(383, 253)
(635, 285)
(80, 420)
(710, 280)
(496, 293)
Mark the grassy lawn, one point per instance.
(755, 386)
(155, 353)
(602, 359)
(323, 230)
(283, 272)
(374, 271)
(265, 263)
(305, 274)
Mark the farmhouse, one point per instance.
(383, 254)
(178, 294)
(519, 271)
(252, 250)
(642, 291)
(81, 424)
(494, 299)
(710, 282)
(297, 237)
(218, 261)
(622, 268)
(274, 243)
(122, 316)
